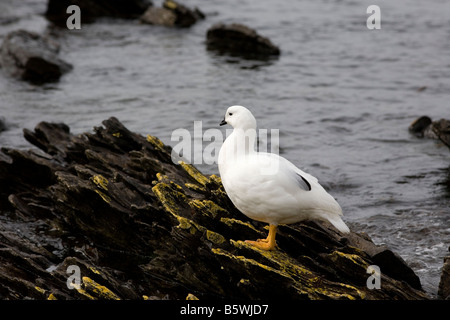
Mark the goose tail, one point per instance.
(338, 223)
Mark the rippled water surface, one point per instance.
(341, 95)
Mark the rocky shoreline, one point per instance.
(31, 57)
(113, 205)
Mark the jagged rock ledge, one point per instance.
(138, 226)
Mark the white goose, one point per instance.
(267, 187)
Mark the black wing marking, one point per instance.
(302, 182)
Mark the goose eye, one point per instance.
(230, 114)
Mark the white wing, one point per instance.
(269, 188)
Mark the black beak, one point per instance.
(223, 122)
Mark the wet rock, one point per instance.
(444, 284)
(238, 39)
(92, 9)
(28, 56)
(421, 127)
(159, 16)
(442, 129)
(172, 14)
(425, 127)
(138, 226)
(393, 265)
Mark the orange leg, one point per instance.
(266, 244)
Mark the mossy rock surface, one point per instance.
(138, 226)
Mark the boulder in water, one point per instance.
(31, 57)
(238, 39)
(172, 14)
(425, 127)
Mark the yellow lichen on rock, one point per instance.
(165, 179)
(194, 173)
(94, 270)
(338, 291)
(231, 222)
(359, 293)
(83, 292)
(161, 176)
(352, 258)
(100, 181)
(284, 262)
(169, 197)
(215, 179)
(190, 296)
(171, 200)
(207, 207)
(103, 196)
(246, 261)
(98, 290)
(40, 289)
(195, 187)
(188, 224)
(158, 144)
(303, 280)
(170, 4)
(215, 237)
(51, 297)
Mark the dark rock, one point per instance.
(159, 16)
(444, 284)
(185, 17)
(424, 127)
(237, 39)
(442, 129)
(172, 14)
(92, 9)
(421, 125)
(389, 262)
(113, 204)
(31, 57)
(394, 266)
